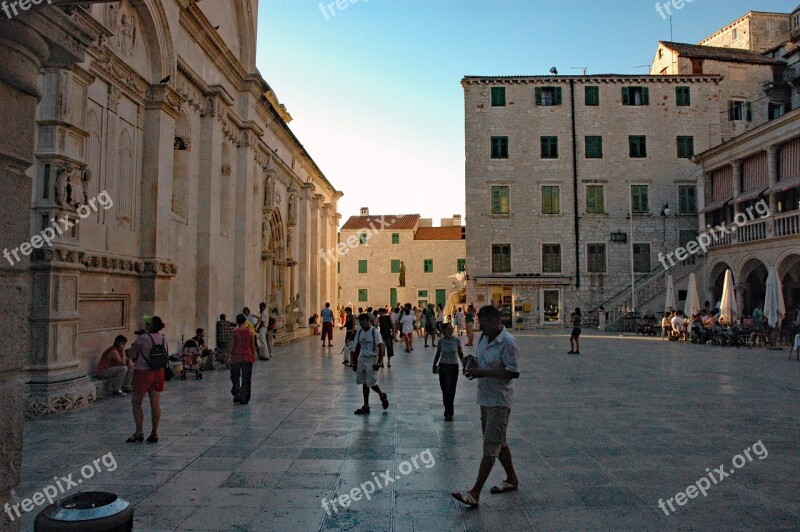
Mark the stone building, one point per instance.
(390, 259)
(159, 141)
(757, 31)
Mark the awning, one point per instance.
(784, 184)
(714, 205)
(749, 195)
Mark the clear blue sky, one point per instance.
(375, 91)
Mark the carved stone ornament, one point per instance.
(121, 20)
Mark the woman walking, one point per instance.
(448, 355)
(460, 321)
(149, 347)
(574, 342)
(243, 356)
(407, 329)
(469, 320)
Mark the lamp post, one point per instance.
(633, 274)
(664, 215)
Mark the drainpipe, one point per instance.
(575, 187)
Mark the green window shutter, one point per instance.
(393, 296)
(592, 95)
(538, 92)
(395, 238)
(594, 147)
(427, 266)
(362, 238)
(362, 266)
(498, 96)
(461, 265)
(749, 112)
(546, 198)
(395, 266)
(557, 96)
(363, 295)
(626, 96)
(683, 96)
(645, 96)
(685, 147)
(731, 111)
(338, 266)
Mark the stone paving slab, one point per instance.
(597, 440)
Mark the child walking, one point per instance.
(370, 351)
(448, 355)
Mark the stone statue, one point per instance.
(292, 209)
(265, 235)
(64, 185)
(268, 193)
(402, 280)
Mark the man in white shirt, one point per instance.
(370, 348)
(263, 346)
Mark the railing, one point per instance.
(722, 240)
(786, 224)
(752, 232)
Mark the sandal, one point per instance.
(384, 401)
(467, 499)
(153, 438)
(364, 410)
(503, 488)
(135, 438)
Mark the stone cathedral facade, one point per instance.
(210, 203)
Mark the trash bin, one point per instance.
(92, 511)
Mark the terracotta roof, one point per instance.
(391, 221)
(717, 53)
(455, 232)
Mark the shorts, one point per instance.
(408, 336)
(494, 422)
(365, 373)
(147, 380)
(576, 332)
(430, 329)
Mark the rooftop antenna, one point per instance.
(670, 28)
(580, 68)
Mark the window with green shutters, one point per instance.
(551, 258)
(393, 296)
(501, 258)
(549, 149)
(363, 295)
(500, 200)
(594, 147)
(637, 146)
(422, 294)
(685, 147)
(683, 97)
(641, 258)
(687, 199)
(362, 266)
(596, 258)
(441, 296)
(547, 96)
(635, 96)
(641, 198)
(395, 238)
(362, 238)
(427, 266)
(498, 96)
(550, 200)
(461, 265)
(592, 95)
(395, 266)
(595, 202)
(499, 147)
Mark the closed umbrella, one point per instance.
(727, 307)
(669, 301)
(774, 307)
(692, 299)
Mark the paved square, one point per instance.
(597, 440)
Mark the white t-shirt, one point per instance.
(407, 323)
(369, 340)
(677, 323)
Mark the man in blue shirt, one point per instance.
(497, 367)
(327, 324)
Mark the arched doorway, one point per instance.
(789, 274)
(754, 279)
(716, 281)
(273, 260)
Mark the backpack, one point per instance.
(158, 358)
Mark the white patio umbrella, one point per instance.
(774, 307)
(692, 299)
(669, 301)
(727, 307)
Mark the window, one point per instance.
(739, 111)
(500, 200)
(547, 96)
(637, 145)
(362, 266)
(498, 96)
(338, 266)
(363, 295)
(596, 258)
(461, 265)
(501, 258)
(499, 147)
(635, 96)
(551, 258)
(422, 294)
(594, 147)
(685, 147)
(595, 203)
(687, 199)
(734, 34)
(549, 147)
(427, 266)
(393, 297)
(640, 195)
(395, 266)
(395, 238)
(362, 238)
(592, 95)
(775, 110)
(550, 200)
(641, 258)
(683, 97)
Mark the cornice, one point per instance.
(109, 67)
(165, 98)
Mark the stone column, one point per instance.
(317, 266)
(737, 183)
(328, 243)
(772, 169)
(705, 183)
(306, 253)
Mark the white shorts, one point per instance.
(365, 372)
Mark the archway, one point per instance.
(273, 260)
(716, 281)
(754, 278)
(789, 274)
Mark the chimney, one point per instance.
(364, 211)
(456, 219)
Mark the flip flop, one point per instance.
(384, 401)
(465, 499)
(503, 488)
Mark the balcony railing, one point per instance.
(778, 225)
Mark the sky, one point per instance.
(374, 89)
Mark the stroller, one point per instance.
(193, 361)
